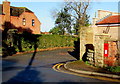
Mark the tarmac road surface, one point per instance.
(37, 67)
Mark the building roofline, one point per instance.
(107, 11)
(113, 19)
(108, 25)
(21, 8)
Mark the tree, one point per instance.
(72, 17)
(76, 24)
(55, 30)
(79, 13)
(64, 21)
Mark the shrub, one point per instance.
(27, 42)
(114, 69)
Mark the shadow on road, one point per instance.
(76, 52)
(71, 82)
(28, 75)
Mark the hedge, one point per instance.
(29, 42)
(114, 69)
(46, 41)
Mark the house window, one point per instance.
(24, 21)
(33, 22)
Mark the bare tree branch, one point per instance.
(79, 10)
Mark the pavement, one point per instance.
(82, 68)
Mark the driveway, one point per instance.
(37, 67)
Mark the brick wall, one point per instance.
(18, 22)
(1, 21)
(6, 10)
(15, 21)
(29, 16)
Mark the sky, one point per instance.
(44, 9)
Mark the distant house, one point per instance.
(46, 33)
(19, 18)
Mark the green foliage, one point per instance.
(63, 22)
(50, 41)
(76, 24)
(30, 42)
(87, 22)
(114, 69)
(45, 41)
(55, 30)
(71, 18)
(6, 49)
(79, 14)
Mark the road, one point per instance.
(37, 67)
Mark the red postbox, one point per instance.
(106, 49)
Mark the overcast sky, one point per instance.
(44, 10)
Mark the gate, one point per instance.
(111, 53)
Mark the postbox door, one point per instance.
(106, 49)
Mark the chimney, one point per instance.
(94, 21)
(6, 10)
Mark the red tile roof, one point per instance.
(115, 19)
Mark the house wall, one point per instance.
(99, 37)
(6, 10)
(29, 16)
(86, 37)
(16, 22)
(1, 22)
(103, 13)
(99, 51)
(113, 32)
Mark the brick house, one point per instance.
(46, 33)
(19, 18)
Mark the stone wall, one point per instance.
(99, 48)
(99, 36)
(86, 40)
(82, 43)
(92, 47)
(113, 32)
(104, 13)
